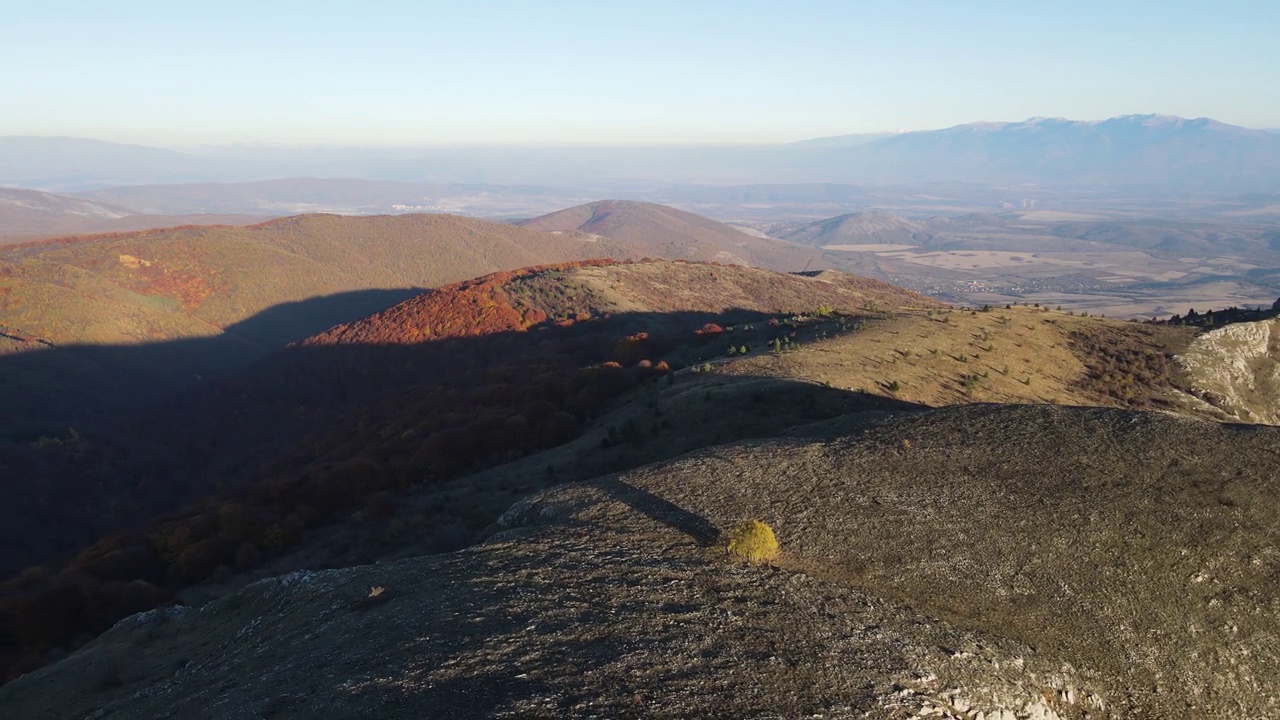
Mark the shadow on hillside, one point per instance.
(118, 430)
(289, 322)
(45, 392)
(220, 473)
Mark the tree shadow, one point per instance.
(661, 510)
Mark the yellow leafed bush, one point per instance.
(753, 541)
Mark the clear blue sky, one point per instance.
(640, 72)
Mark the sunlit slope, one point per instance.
(190, 281)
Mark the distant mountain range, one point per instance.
(1133, 149)
(1141, 150)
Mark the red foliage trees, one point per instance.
(709, 331)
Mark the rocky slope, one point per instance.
(462, 377)
(977, 562)
(1233, 372)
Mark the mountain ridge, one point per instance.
(1133, 151)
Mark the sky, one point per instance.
(379, 72)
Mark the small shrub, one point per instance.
(753, 541)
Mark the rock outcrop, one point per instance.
(1234, 371)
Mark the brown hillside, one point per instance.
(513, 301)
(666, 232)
(168, 283)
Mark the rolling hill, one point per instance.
(195, 280)
(661, 231)
(855, 229)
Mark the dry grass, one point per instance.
(667, 286)
(1015, 355)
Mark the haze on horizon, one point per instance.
(388, 72)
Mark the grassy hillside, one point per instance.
(158, 284)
